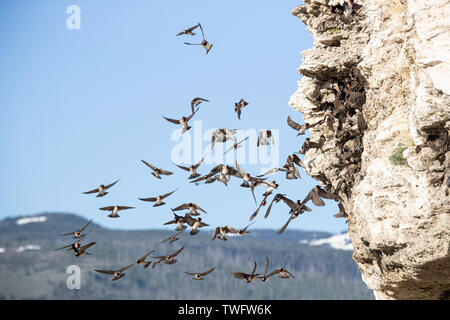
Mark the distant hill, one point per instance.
(30, 268)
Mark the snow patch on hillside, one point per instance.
(338, 241)
(30, 220)
(28, 247)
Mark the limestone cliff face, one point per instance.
(380, 77)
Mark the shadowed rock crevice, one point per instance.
(375, 83)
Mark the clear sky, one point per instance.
(82, 107)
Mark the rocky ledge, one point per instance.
(376, 88)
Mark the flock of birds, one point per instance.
(223, 173)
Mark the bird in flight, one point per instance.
(115, 210)
(192, 169)
(101, 189)
(78, 234)
(245, 276)
(142, 261)
(183, 122)
(238, 106)
(117, 273)
(196, 101)
(199, 276)
(157, 172)
(158, 199)
(189, 31)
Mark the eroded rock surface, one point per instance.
(379, 74)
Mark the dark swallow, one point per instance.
(196, 101)
(199, 276)
(300, 128)
(172, 238)
(308, 144)
(115, 210)
(192, 169)
(156, 171)
(263, 136)
(192, 207)
(158, 199)
(80, 252)
(78, 234)
(183, 122)
(188, 31)
(142, 261)
(101, 189)
(117, 273)
(245, 276)
(168, 259)
(238, 106)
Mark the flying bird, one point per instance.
(196, 101)
(192, 207)
(246, 176)
(183, 122)
(317, 193)
(157, 172)
(199, 276)
(158, 199)
(115, 210)
(78, 234)
(263, 203)
(117, 273)
(308, 144)
(101, 189)
(263, 136)
(192, 169)
(172, 238)
(205, 44)
(238, 106)
(169, 259)
(81, 251)
(194, 224)
(178, 220)
(245, 276)
(142, 261)
(188, 31)
(300, 128)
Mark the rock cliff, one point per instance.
(376, 85)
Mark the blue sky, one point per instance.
(82, 107)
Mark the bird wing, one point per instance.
(152, 199)
(293, 124)
(181, 167)
(181, 207)
(85, 225)
(91, 191)
(125, 207)
(68, 246)
(107, 208)
(216, 232)
(105, 271)
(240, 275)
(285, 225)
(254, 268)
(203, 35)
(198, 163)
(172, 120)
(267, 266)
(270, 207)
(149, 165)
(83, 248)
(176, 252)
(207, 272)
(111, 184)
(167, 173)
(239, 170)
(168, 194)
(190, 273)
(276, 271)
(243, 230)
(145, 256)
(189, 220)
(125, 268)
(269, 172)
